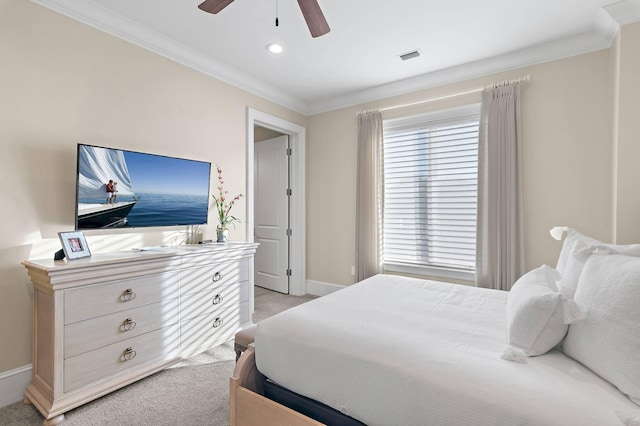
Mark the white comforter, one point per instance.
(394, 351)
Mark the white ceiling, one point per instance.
(358, 60)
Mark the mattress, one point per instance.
(401, 351)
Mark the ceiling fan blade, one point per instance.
(214, 6)
(315, 18)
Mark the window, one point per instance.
(430, 193)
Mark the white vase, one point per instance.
(222, 235)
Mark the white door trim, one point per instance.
(297, 142)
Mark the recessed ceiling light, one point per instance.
(274, 48)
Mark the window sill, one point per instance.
(431, 271)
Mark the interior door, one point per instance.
(271, 214)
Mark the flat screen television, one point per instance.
(117, 188)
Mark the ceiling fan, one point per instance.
(310, 10)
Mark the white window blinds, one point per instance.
(430, 190)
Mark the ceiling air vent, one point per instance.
(409, 55)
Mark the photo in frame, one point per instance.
(74, 245)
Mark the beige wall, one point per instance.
(568, 161)
(262, 134)
(63, 82)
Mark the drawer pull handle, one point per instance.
(217, 299)
(217, 277)
(128, 354)
(128, 325)
(218, 322)
(127, 296)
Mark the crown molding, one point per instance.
(119, 26)
(603, 32)
(624, 12)
(599, 38)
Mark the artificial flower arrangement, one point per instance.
(224, 206)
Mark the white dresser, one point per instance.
(103, 322)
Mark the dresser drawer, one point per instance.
(217, 300)
(101, 363)
(206, 331)
(210, 277)
(95, 301)
(94, 333)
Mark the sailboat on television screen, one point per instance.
(98, 208)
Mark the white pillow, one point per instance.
(576, 249)
(608, 339)
(535, 313)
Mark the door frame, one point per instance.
(297, 142)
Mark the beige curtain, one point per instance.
(369, 195)
(500, 245)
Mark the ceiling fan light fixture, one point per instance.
(310, 11)
(214, 6)
(274, 48)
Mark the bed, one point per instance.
(393, 350)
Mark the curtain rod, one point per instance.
(468, 92)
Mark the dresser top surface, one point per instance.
(145, 254)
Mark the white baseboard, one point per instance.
(319, 288)
(12, 385)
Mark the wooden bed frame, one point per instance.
(248, 406)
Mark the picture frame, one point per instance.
(74, 245)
